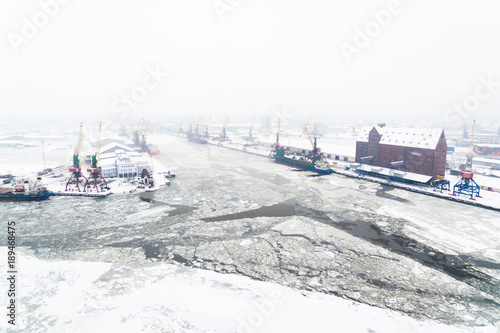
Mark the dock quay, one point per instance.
(82, 194)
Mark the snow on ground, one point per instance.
(30, 160)
(453, 232)
(79, 296)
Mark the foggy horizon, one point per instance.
(383, 61)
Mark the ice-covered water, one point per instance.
(230, 212)
(141, 296)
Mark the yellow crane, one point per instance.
(95, 180)
(76, 157)
(207, 127)
(306, 128)
(76, 177)
(95, 158)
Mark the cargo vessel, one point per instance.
(195, 137)
(24, 192)
(313, 162)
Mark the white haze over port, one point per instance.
(80, 296)
(263, 56)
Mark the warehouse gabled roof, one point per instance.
(426, 138)
(112, 147)
(365, 131)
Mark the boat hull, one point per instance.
(25, 197)
(195, 140)
(303, 165)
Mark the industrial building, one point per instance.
(491, 163)
(121, 161)
(487, 149)
(420, 151)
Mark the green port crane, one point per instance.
(96, 181)
(76, 178)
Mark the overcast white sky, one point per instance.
(264, 54)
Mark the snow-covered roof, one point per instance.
(426, 138)
(107, 155)
(107, 161)
(490, 145)
(114, 146)
(365, 132)
(108, 167)
(415, 177)
(487, 160)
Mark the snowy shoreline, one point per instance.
(491, 200)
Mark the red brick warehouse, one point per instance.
(422, 150)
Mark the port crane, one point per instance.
(198, 126)
(95, 180)
(191, 126)
(76, 177)
(143, 142)
(466, 185)
(306, 128)
(278, 133)
(276, 145)
(207, 127)
(251, 129)
(137, 133)
(223, 136)
(45, 169)
(315, 155)
(250, 133)
(149, 148)
(181, 129)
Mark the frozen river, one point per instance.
(237, 213)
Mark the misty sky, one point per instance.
(251, 57)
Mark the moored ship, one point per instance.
(24, 192)
(192, 137)
(314, 162)
(311, 163)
